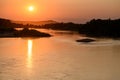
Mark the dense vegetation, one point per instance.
(63, 26)
(101, 28)
(93, 28)
(7, 29)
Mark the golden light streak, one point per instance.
(29, 56)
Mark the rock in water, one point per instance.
(87, 40)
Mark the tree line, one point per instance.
(93, 28)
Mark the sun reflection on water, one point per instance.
(29, 55)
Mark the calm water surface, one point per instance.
(59, 58)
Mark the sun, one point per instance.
(31, 8)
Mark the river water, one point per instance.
(59, 58)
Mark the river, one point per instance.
(59, 58)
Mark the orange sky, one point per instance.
(59, 10)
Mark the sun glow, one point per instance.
(31, 8)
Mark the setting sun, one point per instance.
(31, 8)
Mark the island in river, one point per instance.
(7, 30)
(11, 32)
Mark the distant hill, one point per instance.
(35, 22)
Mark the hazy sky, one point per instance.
(60, 10)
